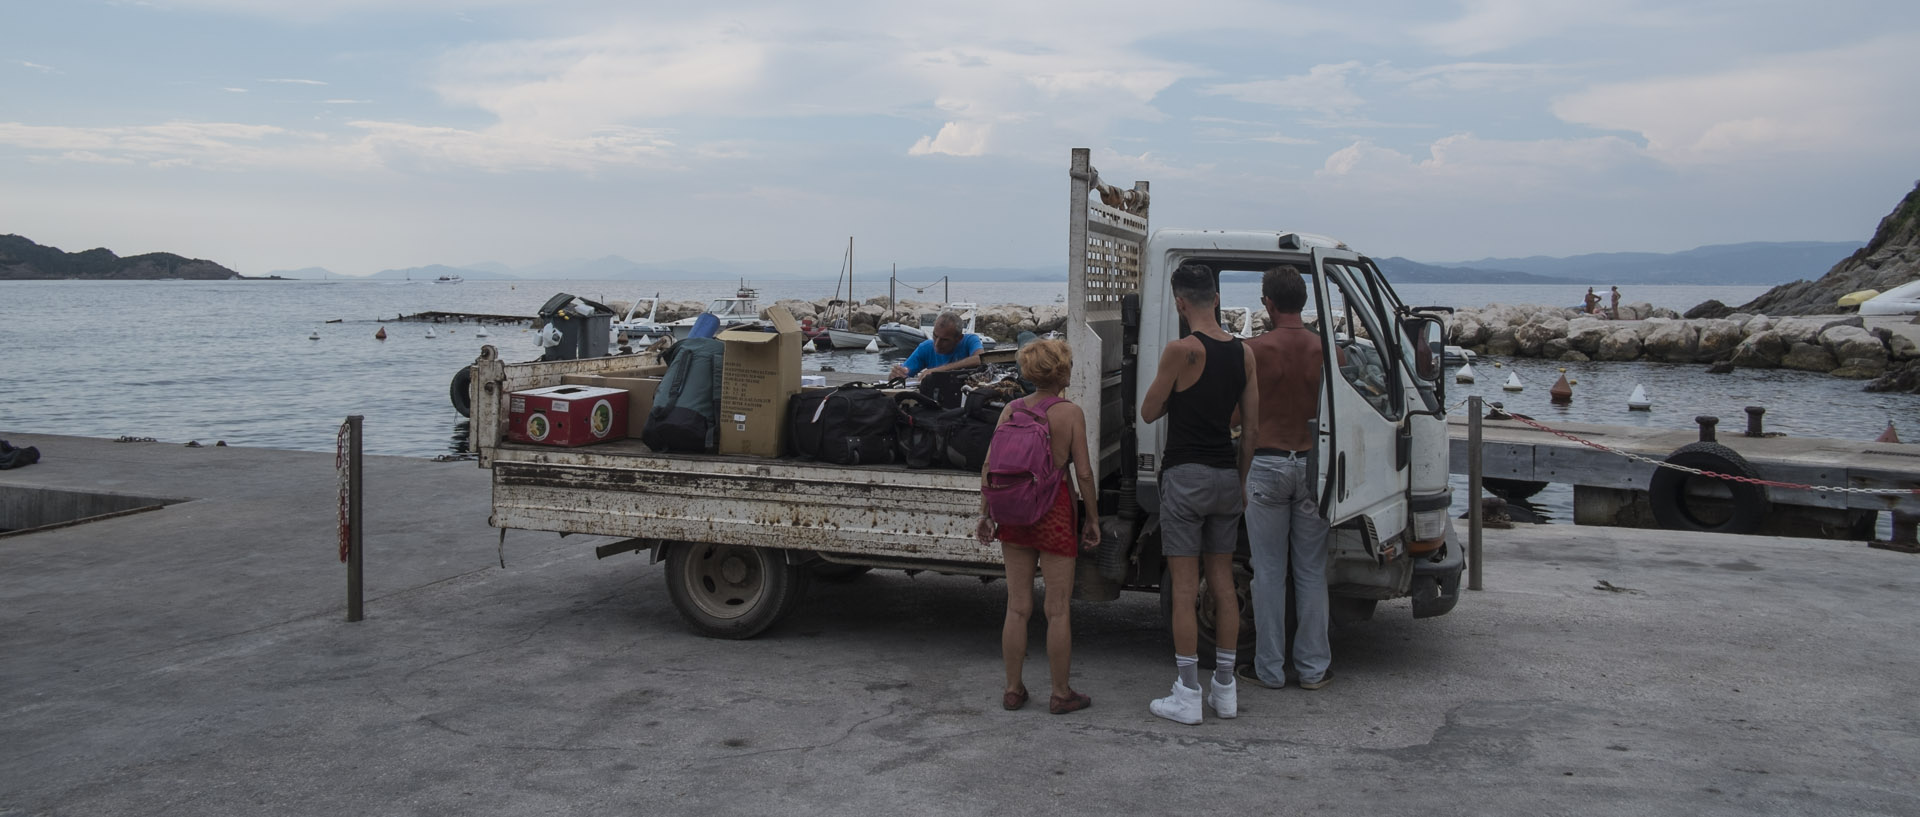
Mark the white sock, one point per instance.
(1189, 667)
(1223, 667)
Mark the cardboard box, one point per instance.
(567, 415)
(761, 370)
(640, 385)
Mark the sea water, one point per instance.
(232, 360)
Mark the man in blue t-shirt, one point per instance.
(949, 348)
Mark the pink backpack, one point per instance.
(1022, 481)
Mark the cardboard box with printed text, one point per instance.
(762, 370)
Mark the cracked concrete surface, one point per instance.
(195, 660)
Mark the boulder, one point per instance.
(1053, 318)
(1262, 322)
(1741, 319)
(1755, 324)
(1572, 356)
(1900, 347)
(1709, 309)
(1808, 329)
(1585, 333)
(1670, 341)
(1663, 312)
(1556, 348)
(1860, 368)
(799, 309)
(1623, 344)
(1902, 378)
(1468, 330)
(1502, 342)
(1809, 357)
(1718, 337)
(1531, 338)
(1635, 311)
(1763, 350)
(1851, 343)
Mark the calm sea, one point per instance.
(232, 360)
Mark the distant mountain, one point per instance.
(1402, 271)
(432, 271)
(23, 260)
(1757, 262)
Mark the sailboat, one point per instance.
(841, 332)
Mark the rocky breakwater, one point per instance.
(1834, 344)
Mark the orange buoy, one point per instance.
(1562, 392)
(380, 334)
(1888, 436)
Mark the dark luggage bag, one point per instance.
(850, 425)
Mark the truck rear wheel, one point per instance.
(1203, 611)
(731, 591)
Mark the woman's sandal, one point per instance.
(1073, 702)
(1014, 700)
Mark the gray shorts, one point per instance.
(1200, 508)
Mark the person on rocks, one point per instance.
(1284, 527)
(1593, 301)
(1053, 542)
(1614, 313)
(1203, 378)
(949, 348)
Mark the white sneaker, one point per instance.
(1183, 706)
(1224, 699)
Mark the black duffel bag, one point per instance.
(946, 388)
(921, 437)
(850, 425)
(965, 434)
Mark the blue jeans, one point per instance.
(1284, 526)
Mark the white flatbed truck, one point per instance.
(743, 536)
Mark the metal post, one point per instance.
(1473, 493)
(354, 586)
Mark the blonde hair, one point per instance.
(1047, 363)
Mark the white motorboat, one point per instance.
(1901, 300)
(1513, 382)
(901, 336)
(1465, 375)
(849, 339)
(969, 314)
(1455, 355)
(1638, 400)
(448, 279)
(643, 331)
(740, 310)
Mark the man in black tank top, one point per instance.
(1203, 380)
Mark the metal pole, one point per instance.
(1473, 493)
(354, 586)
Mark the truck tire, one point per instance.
(1676, 507)
(731, 591)
(460, 391)
(1203, 611)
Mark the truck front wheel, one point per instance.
(731, 591)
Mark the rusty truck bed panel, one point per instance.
(616, 491)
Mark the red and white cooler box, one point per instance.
(567, 415)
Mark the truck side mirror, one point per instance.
(1429, 343)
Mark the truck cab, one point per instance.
(1381, 457)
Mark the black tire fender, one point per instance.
(460, 391)
(1667, 491)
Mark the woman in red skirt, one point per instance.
(1051, 544)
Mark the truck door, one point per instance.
(1361, 468)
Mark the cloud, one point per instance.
(1465, 162)
(1469, 76)
(954, 139)
(1494, 25)
(1842, 102)
(346, 101)
(295, 81)
(234, 90)
(1323, 88)
(34, 66)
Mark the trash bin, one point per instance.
(583, 329)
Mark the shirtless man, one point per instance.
(1203, 379)
(1284, 526)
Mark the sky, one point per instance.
(360, 135)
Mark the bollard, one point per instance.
(1474, 511)
(347, 460)
(1707, 422)
(1753, 421)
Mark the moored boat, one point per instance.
(741, 309)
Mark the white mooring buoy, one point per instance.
(1638, 400)
(1465, 375)
(430, 332)
(1513, 382)
(873, 345)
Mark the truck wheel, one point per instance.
(460, 391)
(1203, 611)
(731, 591)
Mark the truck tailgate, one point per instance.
(620, 489)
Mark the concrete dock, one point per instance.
(195, 659)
